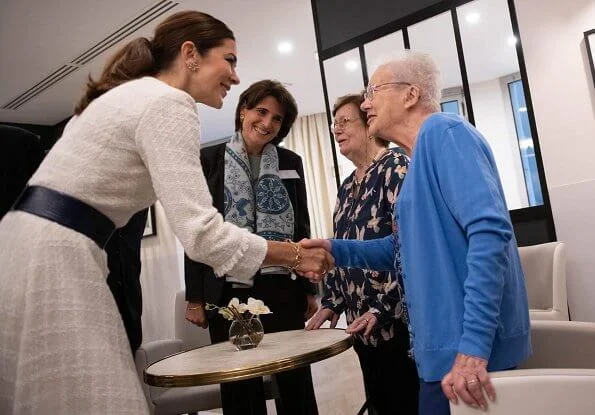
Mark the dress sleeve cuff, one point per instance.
(246, 260)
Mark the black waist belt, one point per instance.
(67, 211)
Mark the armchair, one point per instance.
(559, 378)
(545, 275)
(173, 401)
(539, 392)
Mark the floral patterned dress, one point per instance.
(365, 211)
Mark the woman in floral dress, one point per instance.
(372, 301)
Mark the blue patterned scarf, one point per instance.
(263, 207)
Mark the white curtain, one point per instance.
(161, 277)
(309, 138)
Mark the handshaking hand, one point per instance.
(312, 249)
(317, 246)
(310, 261)
(317, 243)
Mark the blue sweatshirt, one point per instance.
(464, 285)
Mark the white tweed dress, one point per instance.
(63, 348)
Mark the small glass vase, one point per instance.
(247, 333)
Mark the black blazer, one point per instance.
(201, 283)
(21, 155)
(124, 264)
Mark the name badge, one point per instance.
(288, 174)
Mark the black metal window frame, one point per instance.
(518, 216)
(588, 34)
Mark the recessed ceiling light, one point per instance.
(512, 40)
(472, 18)
(351, 65)
(285, 47)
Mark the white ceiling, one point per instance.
(38, 37)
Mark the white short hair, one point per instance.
(419, 69)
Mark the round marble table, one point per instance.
(221, 362)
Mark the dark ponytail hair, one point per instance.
(132, 61)
(142, 57)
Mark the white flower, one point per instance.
(240, 307)
(257, 307)
(226, 313)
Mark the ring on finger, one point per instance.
(469, 382)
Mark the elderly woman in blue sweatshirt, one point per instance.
(464, 286)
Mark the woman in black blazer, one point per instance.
(260, 186)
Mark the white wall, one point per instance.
(493, 118)
(564, 102)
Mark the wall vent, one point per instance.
(62, 72)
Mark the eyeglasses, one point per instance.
(341, 123)
(372, 89)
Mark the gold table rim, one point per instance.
(263, 369)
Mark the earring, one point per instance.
(241, 118)
(192, 66)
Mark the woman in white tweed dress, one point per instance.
(63, 349)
